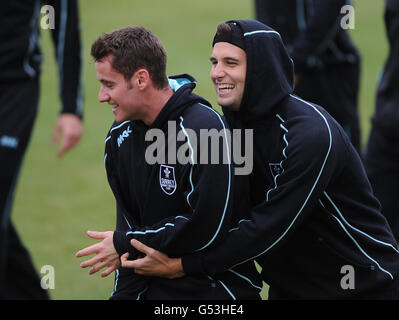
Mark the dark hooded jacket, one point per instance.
(313, 211)
(177, 208)
(386, 117)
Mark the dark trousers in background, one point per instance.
(18, 107)
(381, 160)
(335, 88)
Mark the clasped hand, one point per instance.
(154, 263)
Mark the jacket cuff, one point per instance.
(192, 264)
(121, 243)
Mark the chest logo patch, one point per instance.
(275, 169)
(167, 179)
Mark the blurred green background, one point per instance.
(58, 200)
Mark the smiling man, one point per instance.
(178, 208)
(123, 93)
(314, 224)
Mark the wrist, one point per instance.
(177, 267)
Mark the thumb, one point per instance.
(124, 258)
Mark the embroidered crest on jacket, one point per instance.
(167, 179)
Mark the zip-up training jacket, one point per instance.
(386, 117)
(311, 30)
(177, 207)
(20, 57)
(314, 225)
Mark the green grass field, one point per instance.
(58, 200)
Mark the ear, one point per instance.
(141, 79)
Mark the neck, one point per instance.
(156, 100)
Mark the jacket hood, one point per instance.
(270, 74)
(182, 85)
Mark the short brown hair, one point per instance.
(133, 47)
(223, 27)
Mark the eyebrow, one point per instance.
(105, 81)
(225, 58)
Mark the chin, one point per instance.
(223, 103)
(120, 119)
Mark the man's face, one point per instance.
(122, 95)
(229, 68)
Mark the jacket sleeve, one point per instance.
(67, 42)
(321, 28)
(209, 213)
(307, 167)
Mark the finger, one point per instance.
(64, 147)
(67, 143)
(125, 263)
(108, 271)
(87, 251)
(139, 267)
(133, 264)
(97, 267)
(141, 246)
(124, 257)
(71, 140)
(90, 262)
(96, 234)
(56, 134)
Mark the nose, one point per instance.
(103, 96)
(217, 71)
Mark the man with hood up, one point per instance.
(314, 226)
(169, 203)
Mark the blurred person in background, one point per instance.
(327, 64)
(20, 60)
(382, 153)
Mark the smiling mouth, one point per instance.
(115, 107)
(224, 88)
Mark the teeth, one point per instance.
(225, 86)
